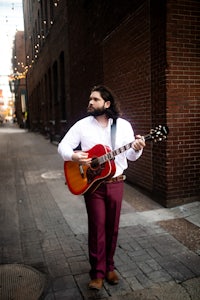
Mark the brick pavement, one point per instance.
(42, 225)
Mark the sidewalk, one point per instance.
(44, 226)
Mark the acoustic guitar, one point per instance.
(81, 178)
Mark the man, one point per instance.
(104, 204)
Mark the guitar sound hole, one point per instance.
(94, 163)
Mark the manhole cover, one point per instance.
(20, 282)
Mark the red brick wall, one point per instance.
(90, 22)
(127, 67)
(183, 100)
(158, 93)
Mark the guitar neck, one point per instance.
(111, 155)
(158, 134)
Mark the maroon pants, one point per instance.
(103, 209)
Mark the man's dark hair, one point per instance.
(113, 111)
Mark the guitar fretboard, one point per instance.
(158, 134)
(110, 155)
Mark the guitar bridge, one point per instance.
(81, 171)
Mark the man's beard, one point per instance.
(96, 112)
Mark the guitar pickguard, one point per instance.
(92, 173)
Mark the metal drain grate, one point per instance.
(20, 282)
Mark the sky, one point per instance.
(11, 20)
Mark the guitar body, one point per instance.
(83, 178)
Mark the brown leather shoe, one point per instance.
(96, 284)
(112, 277)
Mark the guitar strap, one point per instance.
(113, 133)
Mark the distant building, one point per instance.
(18, 78)
(148, 53)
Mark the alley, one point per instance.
(44, 226)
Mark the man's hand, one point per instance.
(139, 143)
(81, 157)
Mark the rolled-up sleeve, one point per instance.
(133, 155)
(126, 134)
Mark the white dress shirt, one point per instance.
(88, 132)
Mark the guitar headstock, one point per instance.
(158, 134)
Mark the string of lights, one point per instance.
(10, 17)
(21, 68)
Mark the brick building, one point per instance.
(148, 53)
